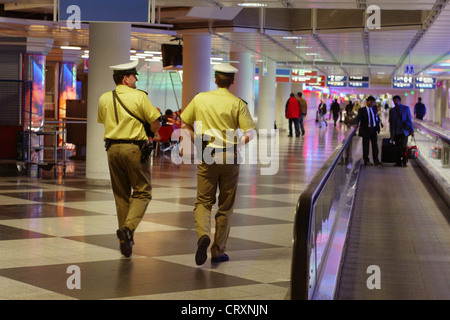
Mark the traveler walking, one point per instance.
(369, 127)
(419, 109)
(293, 113)
(401, 127)
(322, 111)
(304, 109)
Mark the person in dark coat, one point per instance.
(400, 127)
(420, 110)
(335, 109)
(369, 127)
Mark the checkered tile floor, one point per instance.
(49, 224)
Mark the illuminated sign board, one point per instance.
(425, 80)
(357, 84)
(336, 78)
(297, 79)
(337, 84)
(405, 82)
(425, 83)
(303, 72)
(358, 78)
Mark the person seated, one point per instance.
(167, 118)
(177, 119)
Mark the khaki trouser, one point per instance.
(131, 183)
(209, 177)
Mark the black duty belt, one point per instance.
(136, 142)
(144, 147)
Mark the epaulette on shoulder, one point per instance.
(243, 100)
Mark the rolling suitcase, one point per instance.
(389, 152)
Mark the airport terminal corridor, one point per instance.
(50, 224)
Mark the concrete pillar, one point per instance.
(109, 44)
(266, 96)
(244, 83)
(445, 106)
(196, 65)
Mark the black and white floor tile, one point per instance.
(48, 224)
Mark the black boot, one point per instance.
(125, 236)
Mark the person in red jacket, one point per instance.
(293, 113)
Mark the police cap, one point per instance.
(225, 69)
(125, 68)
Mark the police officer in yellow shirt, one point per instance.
(124, 112)
(219, 112)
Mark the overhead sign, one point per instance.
(318, 81)
(283, 75)
(409, 69)
(358, 78)
(408, 82)
(425, 80)
(303, 72)
(405, 82)
(338, 84)
(283, 72)
(298, 79)
(425, 85)
(336, 78)
(358, 84)
(104, 10)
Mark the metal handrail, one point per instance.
(434, 130)
(302, 223)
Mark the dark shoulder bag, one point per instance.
(145, 147)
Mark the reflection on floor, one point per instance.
(48, 224)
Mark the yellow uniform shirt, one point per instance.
(125, 127)
(218, 110)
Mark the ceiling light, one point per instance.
(153, 52)
(217, 58)
(292, 37)
(139, 54)
(252, 4)
(303, 47)
(70, 48)
(312, 54)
